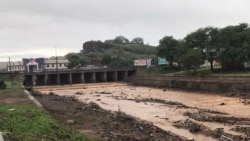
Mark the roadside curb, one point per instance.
(32, 98)
(1, 137)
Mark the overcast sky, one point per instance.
(42, 28)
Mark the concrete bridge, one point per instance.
(77, 76)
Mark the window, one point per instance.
(52, 65)
(48, 65)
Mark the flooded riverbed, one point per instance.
(162, 107)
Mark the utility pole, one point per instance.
(56, 60)
(58, 77)
(11, 79)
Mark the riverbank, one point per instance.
(21, 119)
(198, 116)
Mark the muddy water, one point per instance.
(113, 96)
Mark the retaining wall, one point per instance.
(210, 84)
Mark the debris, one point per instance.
(105, 92)
(226, 138)
(105, 125)
(79, 93)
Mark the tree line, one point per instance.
(123, 40)
(229, 45)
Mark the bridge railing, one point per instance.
(80, 69)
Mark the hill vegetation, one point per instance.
(110, 54)
(229, 47)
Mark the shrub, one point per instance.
(2, 84)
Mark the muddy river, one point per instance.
(162, 107)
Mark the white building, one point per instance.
(15, 66)
(37, 65)
(53, 64)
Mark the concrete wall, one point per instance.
(210, 84)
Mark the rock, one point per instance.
(94, 46)
(141, 127)
(70, 121)
(194, 129)
(190, 139)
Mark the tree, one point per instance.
(106, 59)
(75, 60)
(121, 40)
(137, 40)
(234, 46)
(191, 60)
(168, 49)
(119, 62)
(206, 41)
(246, 45)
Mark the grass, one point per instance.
(27, 122)
(13, 84)
(23, 121)
(233, 73)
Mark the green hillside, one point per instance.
(111, 54)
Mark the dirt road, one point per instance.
(198, 116)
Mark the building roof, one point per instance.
(50, 61)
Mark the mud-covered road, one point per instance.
(198, 116)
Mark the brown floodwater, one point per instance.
(114, 97)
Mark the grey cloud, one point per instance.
(30, 25)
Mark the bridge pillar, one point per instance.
(70, 78)
(82, 78)
(34, 80)
(105, 76)
(46, 79)
(94, 77)
(116, 76)
(126, 74)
